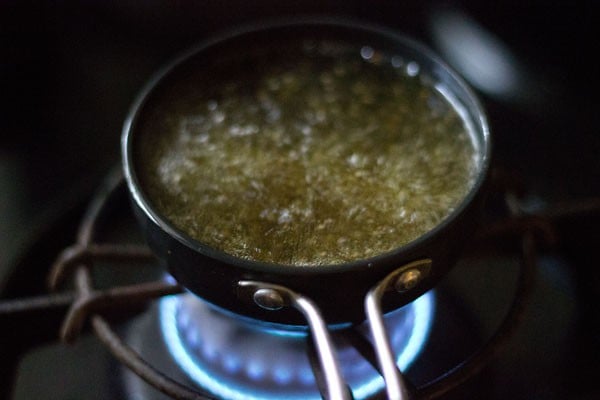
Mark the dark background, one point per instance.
(69, 72)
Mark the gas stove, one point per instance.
(135, 333)
(514, 318)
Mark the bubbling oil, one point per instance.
(324, 153)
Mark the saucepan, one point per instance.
(232, 283)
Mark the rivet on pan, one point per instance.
(408, 279)
(269, 299)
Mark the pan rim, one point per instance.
(142, 201)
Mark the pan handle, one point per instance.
(274, 297)
(401, 279)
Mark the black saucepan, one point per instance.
(338, 290)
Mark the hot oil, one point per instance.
(323, 153)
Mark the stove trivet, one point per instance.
(88, 303)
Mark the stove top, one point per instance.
(529, 356)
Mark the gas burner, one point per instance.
(242, 359)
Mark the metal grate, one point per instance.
(86, 303)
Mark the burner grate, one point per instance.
(89, 304)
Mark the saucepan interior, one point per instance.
(337, 287)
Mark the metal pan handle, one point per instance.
(274, 297)
(401, 280)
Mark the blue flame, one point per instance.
(234, 361)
